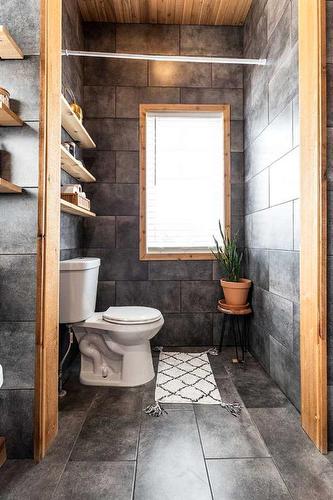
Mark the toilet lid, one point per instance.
(135, 315)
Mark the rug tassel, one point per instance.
(234, 408)
(155, 410)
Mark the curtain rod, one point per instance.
(152, 57)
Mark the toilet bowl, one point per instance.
(114, 344)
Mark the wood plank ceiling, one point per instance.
(213, 12)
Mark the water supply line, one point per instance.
(61, 391)
(170, 58)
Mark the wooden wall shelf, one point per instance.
(74, 168)
(8, 118)
(8, 187)
(74, 210)
(8, 47)
(74, 127)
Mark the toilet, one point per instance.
(114, 344)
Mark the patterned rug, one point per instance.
(186, 378)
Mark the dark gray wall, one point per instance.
(186, 292)
(272, 188)
(72, 78)
(18, 229)
(329, 5)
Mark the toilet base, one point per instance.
(107, 363)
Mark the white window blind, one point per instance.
(184, 180)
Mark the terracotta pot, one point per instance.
(236, 292)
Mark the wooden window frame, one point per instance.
(144, 109)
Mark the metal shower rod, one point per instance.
(153, 57)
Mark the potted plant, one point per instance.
(235, 288)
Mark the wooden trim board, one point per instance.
(8, 47)
(144, 108)
(313, 209)
(9, 187)
(74, 168)
(74, 127)
(47, 307)
(8, 118)
(70, 208)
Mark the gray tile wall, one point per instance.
(72, 78)
(329, 6)
(271, 188)
(186, 292)
(18, 228)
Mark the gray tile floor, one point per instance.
(107, 448)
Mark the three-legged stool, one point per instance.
(239, 330)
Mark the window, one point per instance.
(184, 180)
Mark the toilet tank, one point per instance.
(78, 288)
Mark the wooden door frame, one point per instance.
(48, 238)
(313, 210)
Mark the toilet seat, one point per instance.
(131, 315)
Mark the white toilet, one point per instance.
(114, 344)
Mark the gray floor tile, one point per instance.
(115, 401)
(246, 479)
(102, 480)
(70, 425)
(106, 438)
(225, 436)
(79, 397)
(23, 479)
(307, 473)
(170, 461)
(255, 387)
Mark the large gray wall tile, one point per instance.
(24, 28)
(21, 79)
(179, 74)
(147, 38)
(272, 180)
(128, 99)
(100, 71)
(99, 232)
(19, 154)
(99, 37)
(114, 199)
(119, 264)
(99, 101)
(102, 164)
(272, 143)
(227, 76)
(284, 274)
(286, 168)
(18, 223)
(200, 296)
(234, 97)
(110, 134)
(211, 41)
(180, 270)
(164, 295)
(17, 287)
(17, 347)
(271, 228)
(186, 329)
(127, 167)
(113, 92)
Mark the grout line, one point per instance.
(202, 451)
(74, 443)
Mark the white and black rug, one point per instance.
(186, 378)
